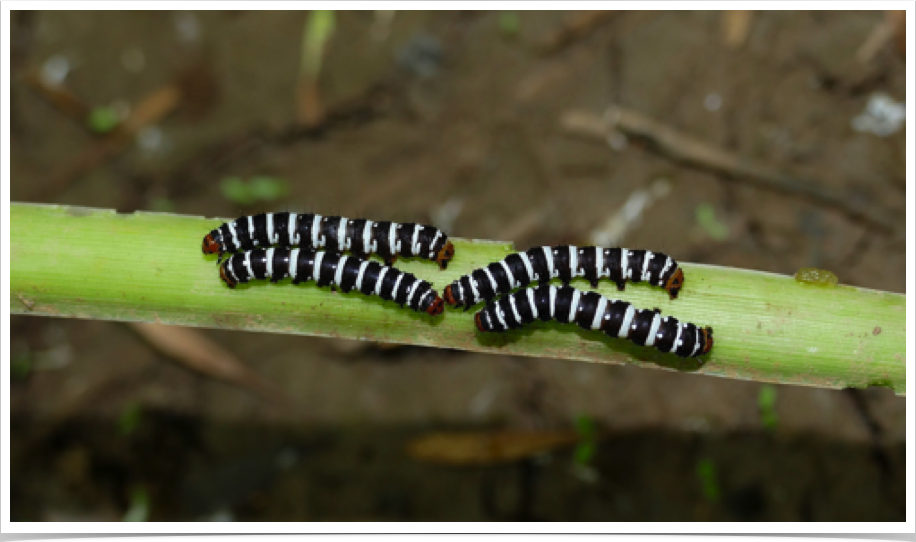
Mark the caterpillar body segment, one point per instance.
(328, 268)
(590, 310)
(360, 237)
(541, 264)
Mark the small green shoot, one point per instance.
(509, 23)
(236, 190)
(129, 419)
(267, 188)
(766, 402)
(20, 365)
(706, 218)
(585, 451)
(706, 472)
(260, 188)
(103, 119)
(318, 30)
(139, 505)
(587, 447)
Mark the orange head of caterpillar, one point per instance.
(478, 322)
(445, 254)
(707, 339)
(675, 283)
(436, 307)
(211, 244)
(227, 278)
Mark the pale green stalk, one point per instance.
(318, 30)
(87, 263)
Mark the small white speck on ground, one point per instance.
(187, 26)
(133, 59)
(617, 140)
(882, 116)
(712, 102)
(150, 138)
(55, 70)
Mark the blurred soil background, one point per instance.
(461, 119)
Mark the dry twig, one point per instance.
(60, 97)
(686, 150)
(881, 34)
(578, 26)
(897, 21)
(735, 27)
(194, 88)
(149, 111)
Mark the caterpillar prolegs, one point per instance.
(591, 310)
(333, 233)
(540, 264)
(347, 272)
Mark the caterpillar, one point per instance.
(333, 233)
(347, 272)
(566, 262)
(591, 310)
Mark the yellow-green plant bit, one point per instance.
(88, 263)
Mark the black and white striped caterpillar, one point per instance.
(591, 310)
(540, 264)
(333, 233)
(347, 272)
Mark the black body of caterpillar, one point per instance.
(333, 233)
(591, 310)
(540, 264)
(347, 272)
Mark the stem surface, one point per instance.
(148, 267)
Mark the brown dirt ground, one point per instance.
(479, 125)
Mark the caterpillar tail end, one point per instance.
(436, 307)
(478, 323)
(445, 255)
(230, 282)
(707, 339)
(449, 296)
(675, 283)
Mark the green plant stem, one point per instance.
(88, 263)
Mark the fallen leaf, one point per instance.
(486, 448)
(195, 351)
